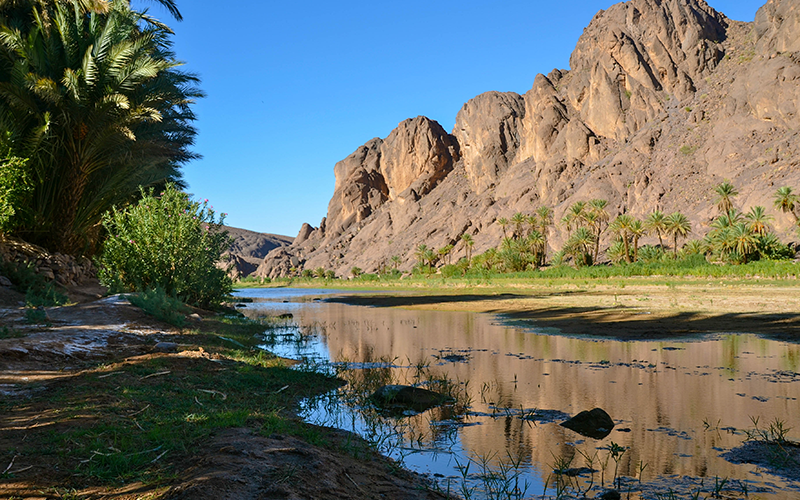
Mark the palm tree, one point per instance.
(518, 219)
(395, 261)
(678, 225)
(786, 201)
(444, 253)
(636, 230)
(96, 102)
(621, 227)
(725, 194)
(597, 207)
(758, 220)
(578, 246)
(744, 240)
(574, 217)
(536, 242)
(503, 224)
(421, 253)
(544, 220)
(655, 222)
(85, 6)
(468, 244)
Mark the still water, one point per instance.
(678, 404)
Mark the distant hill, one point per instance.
(249, 248)
(664, 100)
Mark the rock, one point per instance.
(594, 423)
(165, 347)
(400, 398)
(195, 317)
(248, 249)
(488, 131)
(305, 232)
(609, 495)
(5, 282)
(651, 115)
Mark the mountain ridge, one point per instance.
(664, 100)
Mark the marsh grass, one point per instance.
(782, 451)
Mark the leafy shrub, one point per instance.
(157, 303)
(168, 242)
(452, 271)
(368, 277)
(14, 187)
(649, 253)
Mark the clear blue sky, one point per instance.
(294, 87)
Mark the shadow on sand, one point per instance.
(616, 322)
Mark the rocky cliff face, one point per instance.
(248, 249)
(664, 100)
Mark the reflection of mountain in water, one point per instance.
(659, 396)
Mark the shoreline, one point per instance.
(108, 402)
(633, 312)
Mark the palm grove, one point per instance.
(735, 237)
(95, 114)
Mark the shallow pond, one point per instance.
(678, 404)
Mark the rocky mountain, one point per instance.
(248, 248)
(664, 100)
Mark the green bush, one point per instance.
(14, 188)
(169, 242)
(157, 303)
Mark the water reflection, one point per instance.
(676, 404)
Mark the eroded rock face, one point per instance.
(415, 157)
(488, 130)
(665, 100)
(632, 52)
(777, 27)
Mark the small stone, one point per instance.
(609, 495)
(195, 317)
(595, 423)
(166, 347)
(5, 281)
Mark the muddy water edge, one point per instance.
(679, 404)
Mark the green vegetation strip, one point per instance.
(135, 420)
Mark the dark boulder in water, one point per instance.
(595, 423)
(403, 398)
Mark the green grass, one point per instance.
(665, 272)
(133, 421)
(158, 304)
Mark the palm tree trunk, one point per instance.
(627, 249)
